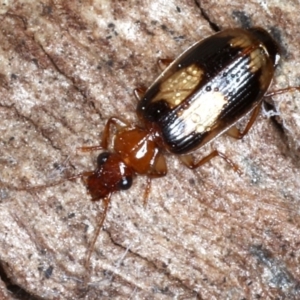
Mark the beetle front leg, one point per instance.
(236, 133)
(118, 123)
(188, 160)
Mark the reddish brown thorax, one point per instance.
(134, 152)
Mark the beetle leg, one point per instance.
(188, 160)
(282, 91)
(163, 63)
(236, 133)
(118, 123)
(139, 92)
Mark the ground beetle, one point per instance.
(199, 96)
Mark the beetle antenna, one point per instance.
(44, 186)
(100, 222)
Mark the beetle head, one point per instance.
(111, 175)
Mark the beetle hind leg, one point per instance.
(283, 91)
(236, 133)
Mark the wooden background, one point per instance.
(67, 66)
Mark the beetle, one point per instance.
(198, 97)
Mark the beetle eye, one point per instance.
(125, 183)
(102, 158)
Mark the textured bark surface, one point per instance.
(67, 66)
